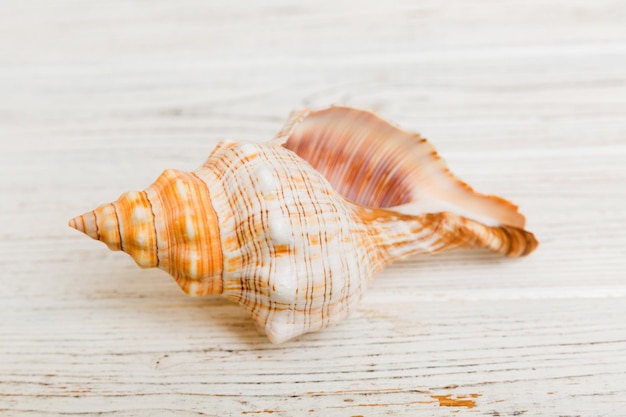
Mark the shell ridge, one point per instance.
(285, 291)
(247, 287)
(215, 269)
(284, 263)
(236, 251)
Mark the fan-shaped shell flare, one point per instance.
(293, 229)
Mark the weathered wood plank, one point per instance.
(523, 99)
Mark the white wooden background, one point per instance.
(526, 99)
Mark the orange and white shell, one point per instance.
(293, 229)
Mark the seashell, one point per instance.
(294, 229)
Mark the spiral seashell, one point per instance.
(293, 229)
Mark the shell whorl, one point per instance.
(171, 225)
(296, 256)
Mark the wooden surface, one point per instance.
(525, 99)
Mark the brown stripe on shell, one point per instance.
(119, 229)
(108, 226)
(154, 226)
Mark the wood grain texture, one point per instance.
(524, 99)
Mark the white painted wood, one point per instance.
(526, 99)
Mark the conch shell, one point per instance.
(293, 229)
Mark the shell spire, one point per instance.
(170, 225)
(294, 229)
(126, 224)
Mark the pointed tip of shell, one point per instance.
(75, 224)
(85, 224)
(100, 224)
